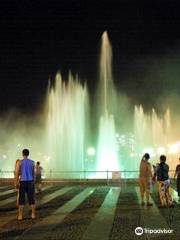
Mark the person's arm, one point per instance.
(17, 174)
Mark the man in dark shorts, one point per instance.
(25, 173)
(177, 173)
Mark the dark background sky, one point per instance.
(38, 38)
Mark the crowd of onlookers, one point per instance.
(159, 176)
(28, 176)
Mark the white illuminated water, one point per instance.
(107, 158)
(66, 125)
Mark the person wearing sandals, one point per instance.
(25, 175)
(145, 178)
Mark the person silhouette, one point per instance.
(25, 174)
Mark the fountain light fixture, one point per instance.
(174, 148)
(91, 151)
(161, 150)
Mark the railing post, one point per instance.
(84, 174)
(107, 178)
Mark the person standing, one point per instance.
(162, 171)
(177, 174)
(25, 174)
(38, 171)
(145, 178)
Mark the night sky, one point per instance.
(38, 38)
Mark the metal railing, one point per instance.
(84, 175)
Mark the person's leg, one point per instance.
(36, 184)
(142, 190)
(178, 186)
(147, 189)
(40, 184)
(31, 198)
(161, 193)
(39, 187)
(20, 212)
(21, 200)
(33, 211)
(17, 200)
(147, 195)
(168, 197)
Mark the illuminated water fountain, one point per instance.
(155, 135)
(66, 125)
(151, 130)
(61, 140)
(107, 158)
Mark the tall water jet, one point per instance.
(168, 127)
(152, 133)
(158, 133)
(66, 125)
(140, 127)
(107, 150)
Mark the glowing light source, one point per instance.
(91, 151)
(47, 158)
(174, 148)
(161, 150)
(132, 154)
(149, 150)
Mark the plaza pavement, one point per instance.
(80, 212)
